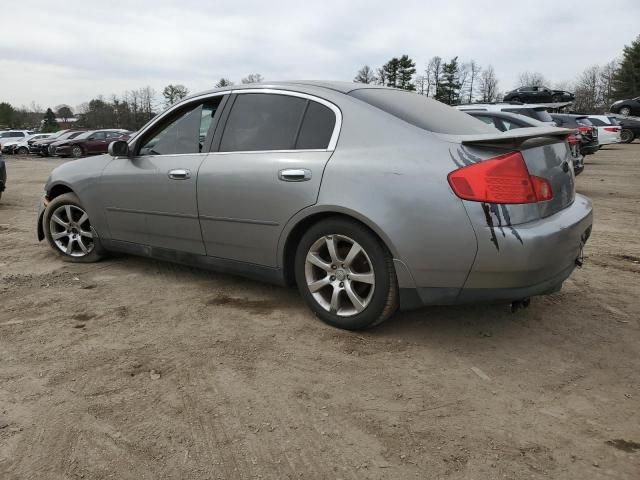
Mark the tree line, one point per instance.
(452, 82)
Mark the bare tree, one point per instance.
(607, 73)
(488, 85)
(474, 69)
(433, 73)
(365, 75)
(421, 84)
(464, 74)
(174, 93)
(252, 78)
(588, 90)
(531, 79)
(224, 82)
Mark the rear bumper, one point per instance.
(530, 259)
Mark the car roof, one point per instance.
(337, 86)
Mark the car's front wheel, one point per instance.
(76, 151)
(22, 151)
(68, 230)
(626, 136)
(346, 275)
(626, 111)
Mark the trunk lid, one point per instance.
(546, 153)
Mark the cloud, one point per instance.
(76, 50)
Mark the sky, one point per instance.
(68, 52)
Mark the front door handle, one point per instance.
(179, 174)
(294, 175)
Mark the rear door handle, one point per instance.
(179, 174)
(294, 175)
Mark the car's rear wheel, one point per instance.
(626, 111)
(76, 151)
(68, 230)
(346, 275)
(556, 99)
(626, 136)
(22, 151)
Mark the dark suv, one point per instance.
(588, 133)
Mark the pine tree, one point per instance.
(390, 70)
(406, 71)
(626, 81)
(49, 124)
(449, 85)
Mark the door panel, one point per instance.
(244, 205)
(143, 205)
(150, 198)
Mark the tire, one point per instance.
(626, 136)
(626, 111)
(75, 234)
(22, 151)
(332, 300)
(518, 99)
(76, 151)
(556, 99)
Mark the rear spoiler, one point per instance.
(516, 136)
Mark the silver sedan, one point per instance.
(366, 198)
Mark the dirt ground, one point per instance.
(138, 369)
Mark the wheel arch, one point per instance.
(296, 227)
(54, 191)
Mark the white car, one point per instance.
(608, 129)
(11, 136)
(22, 146)
(537, 112)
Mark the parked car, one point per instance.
(509, 121)
(630, 128)
(627, 107)
(608, 132)
(41, 147)
(11, 136)
(3, 175)
(87, 143)
(588, 133)
(536, 112)
(365, 197)
(22, 146)
(536, 94)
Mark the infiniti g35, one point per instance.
(367, 198)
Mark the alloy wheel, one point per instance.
(76, 151)
(626, 111)
(339, 275)
(626, 136)
(71, 231)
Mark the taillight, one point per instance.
(503, 179)
(611, 129)
(572, 139)
(585, 129)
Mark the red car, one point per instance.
(88, 143)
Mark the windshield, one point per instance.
(421, 111)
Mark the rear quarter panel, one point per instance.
(393, 175)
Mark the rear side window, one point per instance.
(262, 121)
(421, 111)
(317, 127)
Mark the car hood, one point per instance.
(45, 141)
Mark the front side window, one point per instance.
(183, 133)
(262, 121)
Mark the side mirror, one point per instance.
(119, 148)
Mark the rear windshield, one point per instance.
(614, 121)
(584, 121)
(537, 114)
(422, 112)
